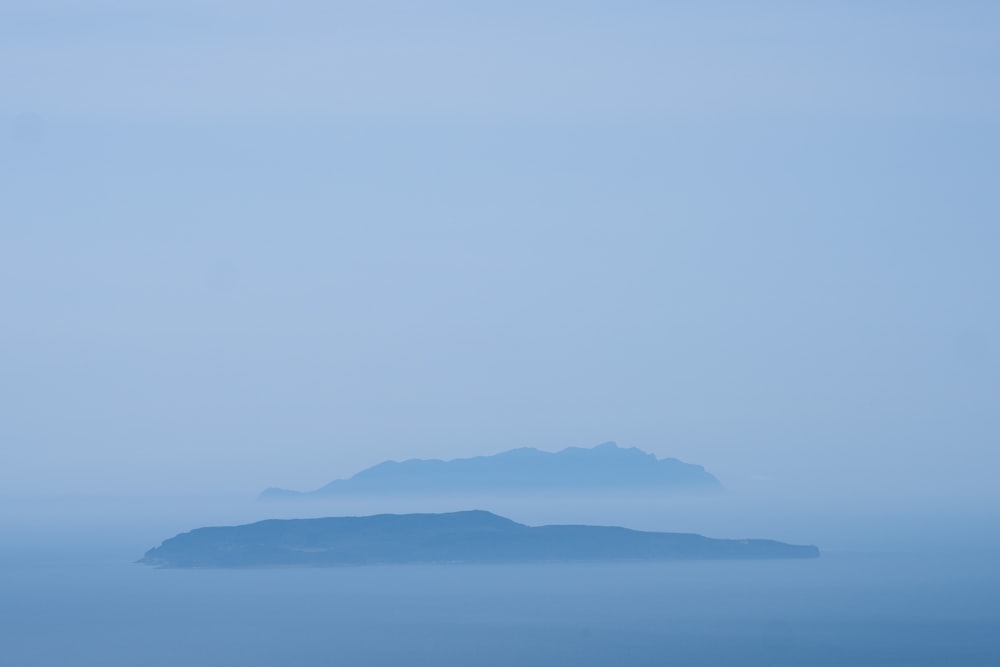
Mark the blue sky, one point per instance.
(245, 245)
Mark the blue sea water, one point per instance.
(842, 609)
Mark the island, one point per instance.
(473, 536)
(606, 467)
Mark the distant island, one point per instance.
(575, 469)
(469, 537)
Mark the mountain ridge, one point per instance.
(525, 469)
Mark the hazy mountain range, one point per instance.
(473, 536)
(604, 467)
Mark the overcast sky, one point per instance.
(246, 244)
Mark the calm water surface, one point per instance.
(842, 609)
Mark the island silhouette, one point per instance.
(605, 467)
(474, 536)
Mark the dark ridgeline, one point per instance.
(474, 537)
(605, 467)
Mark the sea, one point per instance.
(851, 607)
